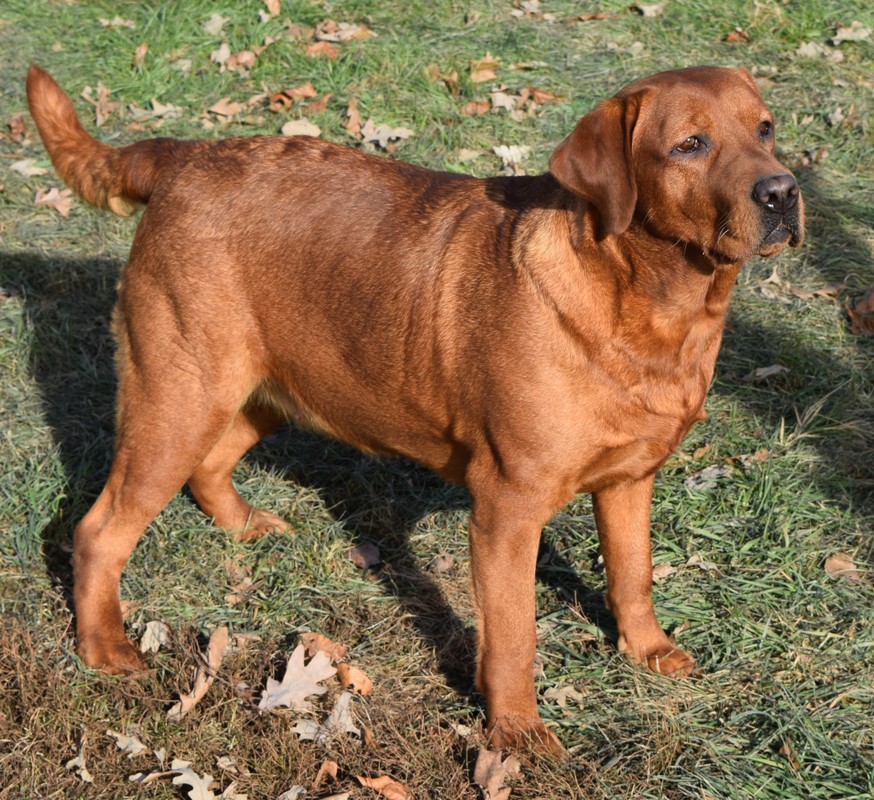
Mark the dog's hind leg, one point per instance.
(213, 487)
(171, 414)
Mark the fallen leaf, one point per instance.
(484, 69)
(387, 787)
(140, 54)
(314, 642)
(328, 768)
(128, 744)
(339, 721)
(155, 636)
(364, 555)
(861, 314)
(541, 96)
(229, 764)
(444, 563)
(117, 22)
(562, 694)
(298, 683)
(17, 127)
(318, 105)
(225, 108)
(705, 479)
(475, 108)
(589, 17)
(382, 134)
(697, 561)
(353, 118)
(788, 753)
(354, 679)
(61, 201)
(856, 32)
(28, 168)
(294, 793)
(502, 100)
(322, 50)
(512, 156)
(300, 127)
(762, 373)
(240, 579)
(490, 772)
(199, 784)
(221, 54)
(465, 155)
(653, 10)
(841, 565)
(241, 62)
(300, 32)
(213, 26)
(330, 31)
(158, 110)
(78, 764)
(204, 676)
(273, 7)
(103, 106)
(738, 36)
(816, 50)
(662, 571)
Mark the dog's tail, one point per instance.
(106, 177)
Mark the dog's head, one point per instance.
(689, 155)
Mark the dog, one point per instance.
(531, 337)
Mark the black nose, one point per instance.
(778, 193)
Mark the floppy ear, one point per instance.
(594, 162)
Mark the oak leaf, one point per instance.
(60, 200)
(205, 675)
(127, 744)
(313, 642)
(339, 721)
(386, 786)
(485, 69)
(354, 679)
(490, 772)
(299, 682)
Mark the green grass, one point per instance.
(786, 652)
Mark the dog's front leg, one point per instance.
(622, 514)
(504, 535)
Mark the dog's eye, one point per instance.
(766, 129)
(690, 145)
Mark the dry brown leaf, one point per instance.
(28, 168)
(273, 7)
(490, 772)
(861, 314)
(762, 373)
(484, 69)
(353, 122)
(366, 554)
(300, 32)
(17, 127)
(318, 105)
(354, 679)
(60, 200)
(662, 571)
(225, 107)
(388, 788)
(649, 10)
(444, 563)
(140, 54)
(540, 96)
(314, 642)
(737, 36)
(300, 127)
(117, 22)
(322, 50)
(328, 768)
(298, 683)
(589, 17)
(475, 108)
(330, 31)
(103, 106)
(788, 753)
(205, 675)
(213, 26)
(841, 565)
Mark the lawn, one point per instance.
(762, 521)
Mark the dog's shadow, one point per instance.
(67, 305)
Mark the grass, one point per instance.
(783, 705)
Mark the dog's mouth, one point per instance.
(780, 234)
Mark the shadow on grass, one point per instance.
(68, 304)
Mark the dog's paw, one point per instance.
(671, 661)
(114, 657)
(525, 735)
(259, 523)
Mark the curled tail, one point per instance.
(106, 177)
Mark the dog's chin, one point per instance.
(778, 239)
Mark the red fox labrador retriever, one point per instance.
(530, 337)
